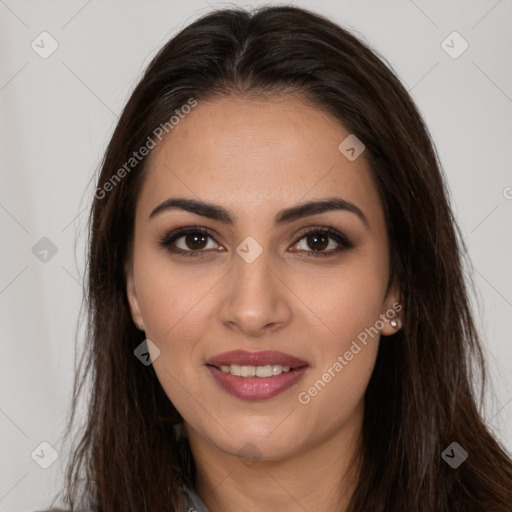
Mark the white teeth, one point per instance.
(247, 371)
(277, 369)
(264, 371)
(268, 370)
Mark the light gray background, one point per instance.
(57, 115)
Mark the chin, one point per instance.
(257, 443)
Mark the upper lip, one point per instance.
(262, 358)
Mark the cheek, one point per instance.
(348, 301)
(176, 304)
(348, 351)
(333, 397)
(176, 322)
(171, 297)
(334, 390)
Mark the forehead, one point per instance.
(257, 155)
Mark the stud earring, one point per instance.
(395, 323)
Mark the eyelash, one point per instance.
(341, 239)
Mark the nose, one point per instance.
(257, 300)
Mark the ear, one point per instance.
(392, 308)
(131, 294)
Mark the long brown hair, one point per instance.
(422, 394)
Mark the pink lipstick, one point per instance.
(256, 375)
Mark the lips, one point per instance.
(256, 388)
(263, 358)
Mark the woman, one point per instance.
(278, 318)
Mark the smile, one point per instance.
(268, 370)
(256, 375)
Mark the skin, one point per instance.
(255, 158)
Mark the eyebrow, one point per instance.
(288, 215)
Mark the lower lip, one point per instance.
(256, 388)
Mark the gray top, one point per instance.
(193, 502)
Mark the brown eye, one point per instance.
(319, 239)
(195, 241)
(318, 242)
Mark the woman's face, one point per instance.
(250, 285)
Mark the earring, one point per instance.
(395, 323)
